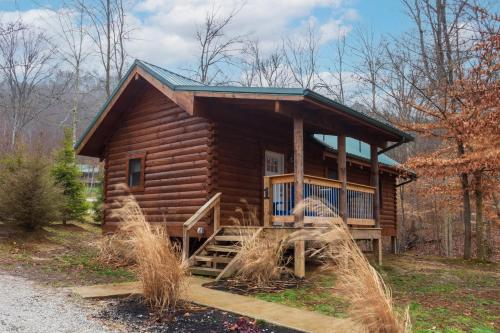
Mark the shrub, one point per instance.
(67, 176)
(260, 259)
(162, 271)
(28, 196)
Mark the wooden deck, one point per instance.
(321, 206)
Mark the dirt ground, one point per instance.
(443, 295)
(59, 255)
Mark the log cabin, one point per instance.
(194, 156)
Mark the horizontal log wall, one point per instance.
(177, 164)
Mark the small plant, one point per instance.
(28, 196)
(243, 325)
(67, 176)
(161, 270)
(114, 250)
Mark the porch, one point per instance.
(356, 205)
(217, 256)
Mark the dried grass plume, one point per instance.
(163, 273)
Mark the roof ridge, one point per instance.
(169, 71)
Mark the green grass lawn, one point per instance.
(443, 295)
(60, 256)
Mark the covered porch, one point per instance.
(248, 129)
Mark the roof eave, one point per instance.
(404, 137)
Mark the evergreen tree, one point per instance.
(98, 204)
(67, 176)
(28, 195)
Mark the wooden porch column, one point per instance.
(298, 165)
(374, 179)
(342, 173)
(375, 182)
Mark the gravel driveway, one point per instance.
(30, 308)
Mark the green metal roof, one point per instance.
(354, 148)
(178, 82)
(167, 77)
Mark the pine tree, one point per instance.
(67, 176)
(28, 195)
(98, 204)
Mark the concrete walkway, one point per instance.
(278, 314)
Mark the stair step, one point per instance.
(223, 260)
(230, 238)
(207, 271)
(239, 231)
(222, 248)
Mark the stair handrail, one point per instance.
(213, 203)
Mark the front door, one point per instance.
(274, 163)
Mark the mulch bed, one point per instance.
(247, 288)
(133, 313)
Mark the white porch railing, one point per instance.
(279, 202)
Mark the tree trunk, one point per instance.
(108, 48)
(480, 237)
(464, 182)
(448, 236)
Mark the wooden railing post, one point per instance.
(268, 201)
(212, 204)
(217, 216)
(185, 244)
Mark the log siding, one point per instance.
(178, 161)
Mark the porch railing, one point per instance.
(279, 202)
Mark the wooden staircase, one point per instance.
(218, 256)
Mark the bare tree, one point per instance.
(216, 48)
(335, 83)
(264, 70)
(73, 34)
(26, 66)
(370, 65)
(301, 55)
(428, 62)
(120, 32)
(109, 34)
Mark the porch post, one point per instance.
(298, 164)
(342, 173)
(375, 182)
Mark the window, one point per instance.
(332, 173)
(135, 172)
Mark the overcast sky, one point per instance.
(164, 29)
